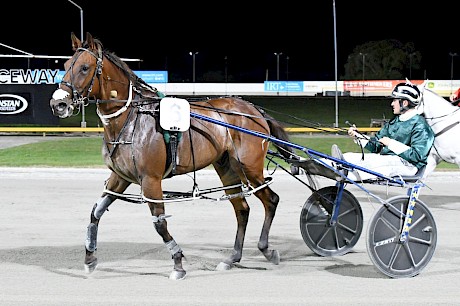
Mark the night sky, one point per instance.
(239, 37)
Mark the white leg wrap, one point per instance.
(173, 247)
(160, 218)
(91, 237)
(101, 206)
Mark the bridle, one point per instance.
(77, 97)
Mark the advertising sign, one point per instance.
(283, 86)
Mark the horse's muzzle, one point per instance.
(63, 108)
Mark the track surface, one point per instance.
(43, 224)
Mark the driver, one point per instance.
(455, 97)
(401, 146)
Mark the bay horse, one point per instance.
(136, 149)
(444, 119)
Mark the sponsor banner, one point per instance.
(374, 85)
(12, 104)
(153, 76)
(27, 104)
(283, 86)
(28, 76)
(50, 76)
(307, 88)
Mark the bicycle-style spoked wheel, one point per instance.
(319, 234)
(392, 257)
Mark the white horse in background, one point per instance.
(444, 119)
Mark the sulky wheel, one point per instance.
(392, 257)
(320, 236)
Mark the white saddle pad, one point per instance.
(174, 114)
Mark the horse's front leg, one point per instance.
(116, 184)
(153, 194)
(432, 161)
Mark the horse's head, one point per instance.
(433, 105)
(82, 77)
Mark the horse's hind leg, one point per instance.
(116, 185)
(242, 210)
(270, 201)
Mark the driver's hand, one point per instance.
(385, 141)
(352, 131)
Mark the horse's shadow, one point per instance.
(126, 259)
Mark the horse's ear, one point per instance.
(90, 41)
(424, 84)
(76, 43)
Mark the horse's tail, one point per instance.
(278, 131)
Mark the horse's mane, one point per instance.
(138, 82)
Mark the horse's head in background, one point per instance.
(444, 119)
(434, 107)
(91, 73)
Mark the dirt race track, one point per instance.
(43, 225)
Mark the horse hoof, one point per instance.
(274, 257)
(222, 266)
(90, 267)
(177, 275)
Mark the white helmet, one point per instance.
(406, 91)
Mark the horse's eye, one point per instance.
(84, 68)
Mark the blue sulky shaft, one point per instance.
(295, 146)
(258, 134)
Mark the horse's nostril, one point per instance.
(61, 106)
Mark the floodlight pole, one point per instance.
(410, 65)
(193, 55)
(335, 69)
(81, 18)
(83, 122)
(452, 55)
(278, 65)
(364, 67)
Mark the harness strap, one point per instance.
(117, 141)
(121, 110)
(196, 195)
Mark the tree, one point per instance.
(382, 60)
